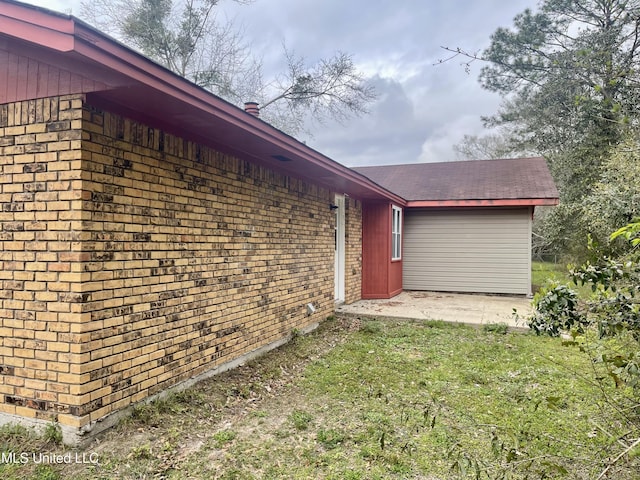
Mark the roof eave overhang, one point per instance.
(504, 202)
(165, 81)
(71, 36)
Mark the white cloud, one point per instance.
(423, 110)
(438, 147)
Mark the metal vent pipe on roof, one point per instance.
(252, 108)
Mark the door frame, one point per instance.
(340, 247)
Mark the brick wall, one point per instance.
(353, 250)
(134, 260)
(41, 238)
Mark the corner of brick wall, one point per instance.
(41, 224)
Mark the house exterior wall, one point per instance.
(375, 248)
(381, 277)
(479, 250)
(134, 260)
(26, 78)
(394, 286)
(353, 253)
(42, 335)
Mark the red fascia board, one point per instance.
(36, 26)
(505, 202)
(37, 16)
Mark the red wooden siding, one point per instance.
(25, 78)
(395, 278)
(381, 278)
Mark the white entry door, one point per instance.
(339, 268)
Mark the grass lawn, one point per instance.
(375, 400)
(543, 271)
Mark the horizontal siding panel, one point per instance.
(435, 277)
(468, 229)
(457, 270)
(462, 237)
(438, 248)
(472, 239)
(465, 257)
(462, 224)
(484, 251)
(511, 289)
(466, 261)
(472, 284)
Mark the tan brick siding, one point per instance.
(136, 259)
(41, 223)
(353, 250)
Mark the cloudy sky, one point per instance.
(423, 109)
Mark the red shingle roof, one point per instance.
(505, 179)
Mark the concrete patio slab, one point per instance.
(472, 309)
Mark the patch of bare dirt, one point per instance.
(167, 434)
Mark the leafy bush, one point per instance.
(606, 326)
(556, 309)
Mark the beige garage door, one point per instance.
(475, 250)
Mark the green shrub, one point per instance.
(606, 327)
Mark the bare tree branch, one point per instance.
(188, 38)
